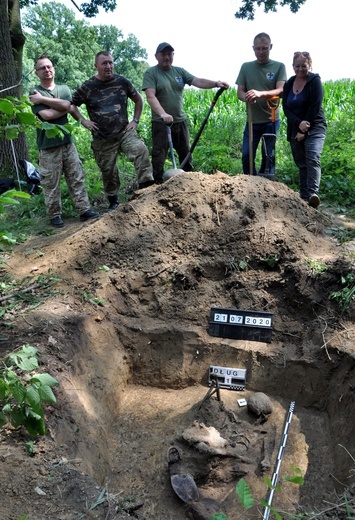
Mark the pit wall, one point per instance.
(106, 359)
(175, 358)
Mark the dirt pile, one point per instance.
(128, 340)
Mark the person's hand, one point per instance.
(131, 126)
(222, 84)
(36, 98)
(252, 95)
(300, 136)
(304, 126)
(167, 118)
(90, 125)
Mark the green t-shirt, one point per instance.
(252, 75)
(58, 92)
(169, 86)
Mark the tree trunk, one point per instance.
(12, 41)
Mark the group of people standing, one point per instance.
(302, 96)
(106, 95)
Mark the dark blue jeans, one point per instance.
(258, 130)
(307, 154)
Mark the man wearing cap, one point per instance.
(163, 85)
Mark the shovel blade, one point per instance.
(170, 173)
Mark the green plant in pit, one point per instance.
(236, 265)
(28, 292)
(317, 268)
(102, 498)
(31, 448)
(23, 392)
(345, 295)
(348, 511)
(88, 297)
(271, 261)
(243, 264)
(230, 267)
(245, 495)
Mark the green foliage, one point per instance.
(271, 261)
(345, 296)
(72, 44)
(88, 297)
(338, 161)
(317, 268)
(8, 198)
(220, 144)
(31, 448)
(89, 9)
(247, 10)
(23, 392)
(28, 292)
(16, 116)
(244, 494)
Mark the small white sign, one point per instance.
(242, 402)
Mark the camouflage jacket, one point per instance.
(106, 103)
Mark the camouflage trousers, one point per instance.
(52, 163)
(106, 153)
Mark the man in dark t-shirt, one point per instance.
(106, 95)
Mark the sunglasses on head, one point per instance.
(304, 54)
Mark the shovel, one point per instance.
(250, 127)
(172, 171)
(214, 101)
(269, 173)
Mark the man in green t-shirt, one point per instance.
(258, 81)
(57, 154)
(163, 85)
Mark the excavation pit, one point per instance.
(133, 371)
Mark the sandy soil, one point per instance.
(125, 330)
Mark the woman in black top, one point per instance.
(306, 124)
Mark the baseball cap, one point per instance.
(163, 46)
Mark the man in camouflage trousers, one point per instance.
(58, 154)
(105, 96)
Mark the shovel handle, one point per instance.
(213, 102)
(171, 146)
(273, 106)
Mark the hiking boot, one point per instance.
(113, 202)
(146, 184)
(314, 201)
(88, 215)
(57, 221)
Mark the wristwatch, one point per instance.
(136, 120)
